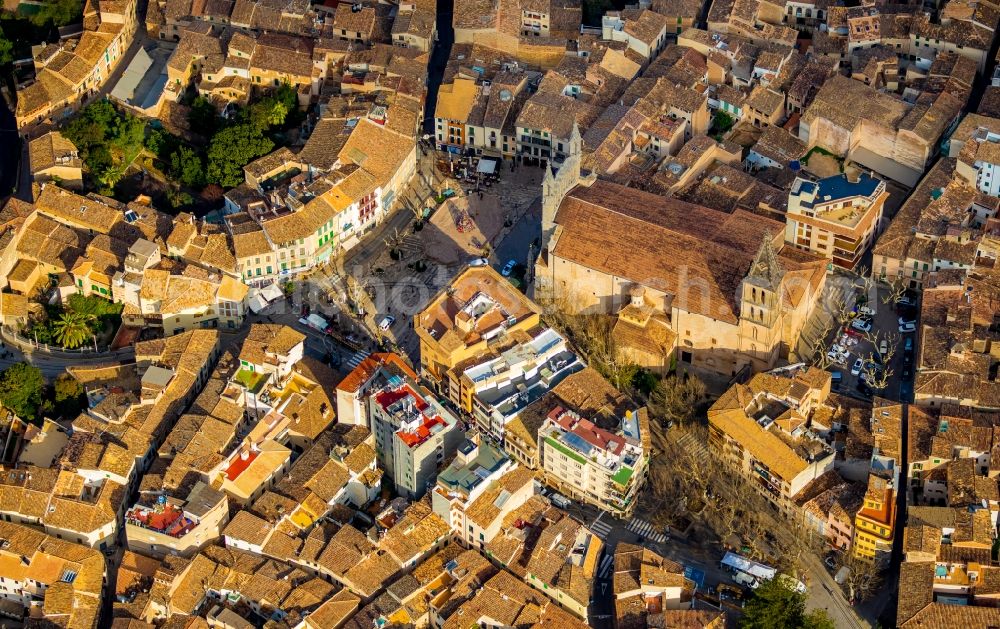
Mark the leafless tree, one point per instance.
(896, 290)
(819, 351)
(357, 291)
(395, 238)
(841, 310)
(877, 370)
(864, 578)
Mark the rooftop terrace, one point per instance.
(163, 518)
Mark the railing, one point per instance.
(31, 346)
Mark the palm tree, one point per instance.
(73, 329)
(112, 175)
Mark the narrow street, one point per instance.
(10, 152)
(439, 59)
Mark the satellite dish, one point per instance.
(505, 95)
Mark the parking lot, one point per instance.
(873, 353)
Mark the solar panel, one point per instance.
(577, 442)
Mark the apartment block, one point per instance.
(414, 433)
(763, 431)
(478, 310)
(496, 386)
(475, 495)
(592, 464)
(836, 217)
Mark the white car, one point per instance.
(856, 367)
(386, 323)
(867, 310)
(478, 262)
(908, 327)
(883, 347)
(862, 325)
(902, 320)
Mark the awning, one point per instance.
(487, 166)
(257, 303)
(271, 292)
(738, 562)
(317, 322)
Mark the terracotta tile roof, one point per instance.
(708, 244)
(414, 534)
(52, 149)
(334, 611)
(483, 511)
(944, 616)
(248, 528)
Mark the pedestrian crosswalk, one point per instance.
(605, 568)
(601, 529)
(356, 359)
(645, 529)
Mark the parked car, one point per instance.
(386, 322)
(856, 367)
(508, 268)
(862, 325)
(830, 562)
(867, 310)
(883, 347)
(907, 328)
(908, 344)
(907, 319)
(478, 262)
(906, 301)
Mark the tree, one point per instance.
(92, 126)
(186, 167)
(203, 117)
(59, 12)
(212, 193)
(677, 400)
(68, 395)
(774, 604)
(863, 579)
(723, 121)
(73, 329)
(178, 198)
(6, 50)
(232, 149)
(275, 109)
(268, 112)
(21, 387)
(111, 175)
(897, 288)
(129, 133)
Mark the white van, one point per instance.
(745, 579)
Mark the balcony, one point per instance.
(527, 139)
